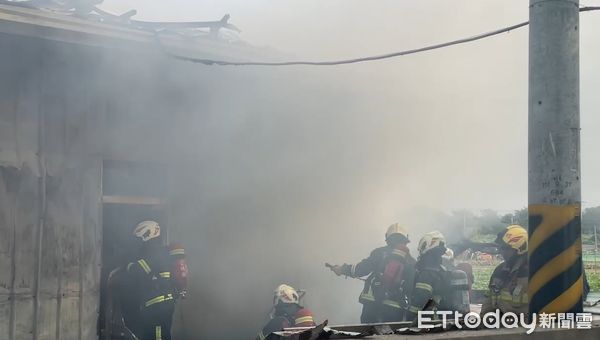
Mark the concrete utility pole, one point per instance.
(555, 264)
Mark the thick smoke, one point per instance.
(280, 170)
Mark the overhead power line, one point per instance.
(356, 60)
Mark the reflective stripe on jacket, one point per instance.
(152, 279)
(507, 290)
(377, 288)
(428, 291)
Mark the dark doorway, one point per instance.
(132, 192)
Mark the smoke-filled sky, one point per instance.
(312, 164)
(466, 106)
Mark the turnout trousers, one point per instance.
(156, 323)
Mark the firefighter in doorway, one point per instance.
(390, 271)
(150, 284)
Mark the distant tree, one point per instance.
(461, 224)
(482, 226)
(508, 218)
(490, 222)
(520, 217)
(590, 218)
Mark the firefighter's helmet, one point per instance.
(448, 255)
(515, 237)
(431, 240)
(396, 228)
(147, 230)
(285, 294)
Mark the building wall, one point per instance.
(50, 227)
(241, 145)
(64, 108)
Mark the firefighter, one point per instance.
(468, 269)
(390, 270)
(507, 289)
(449, 263)
(287, 312)
(179, 269)
(150, 284)
(434, 285)
(448, 259)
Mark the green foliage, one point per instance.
(483, 238)
(483, 273)
(588, 238)
(482, 276)
(593, 276)
(490, 222)
(483, 226)
(478, 227)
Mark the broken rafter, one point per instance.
(88, 9)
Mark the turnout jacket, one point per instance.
(390, 274)
(150, 279)
(430, 290)
(507, 290)
(285, 316)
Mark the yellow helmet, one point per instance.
(396, 228)
(515, 237)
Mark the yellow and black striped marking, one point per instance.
(555, 267)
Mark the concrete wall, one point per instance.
(63, 109)
(50, 227)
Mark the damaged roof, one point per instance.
(82, 22)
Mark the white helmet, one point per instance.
(448, 255)
(396, 228)
(430, 241)
(285, 294)
(147, 230)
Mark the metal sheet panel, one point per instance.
(64, 220)
(23, 317)
(6, 250)
(26, 221)
(60, 302)
(91, 245)
(18, 190)
(46, 323)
